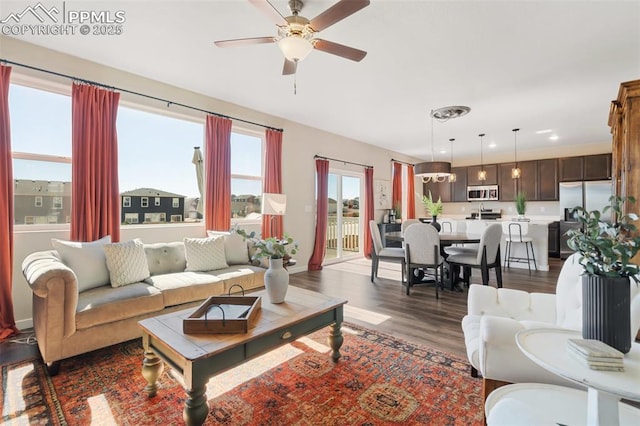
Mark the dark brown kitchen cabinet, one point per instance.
(548, 179)
(507, 186)
(554, 239)
(528, 182)
(597, 167)
(492, 175)
(459, 187)
(571, 169)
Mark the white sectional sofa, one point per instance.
(75, 311)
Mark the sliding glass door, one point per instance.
(344, 218)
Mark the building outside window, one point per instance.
(175, 203)
(130, 218)
(144, 202)
(246, 175)
(157, 201)
(126, 201)
(41, 154)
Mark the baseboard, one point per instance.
(24, 324)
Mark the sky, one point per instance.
(154, 150)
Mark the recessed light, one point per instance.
(492, 145)
(443, 151)
(554, 137)
(542, 132)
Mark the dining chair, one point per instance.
(422, 250)
(406, 223)
(516, 232)
(388, 254)
(487, 256)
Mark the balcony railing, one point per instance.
(350, 233)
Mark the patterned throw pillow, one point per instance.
(127, 262)
(205, 254)
(86, 260)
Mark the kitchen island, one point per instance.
(538, 230)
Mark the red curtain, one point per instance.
(411, 193)
(322, 191)
(272, 181)
(7, 320)
(217, 162)
(95, 197)
(369, 210)
(396, 186)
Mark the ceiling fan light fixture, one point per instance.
(295, 48)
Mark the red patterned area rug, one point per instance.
(379, 380)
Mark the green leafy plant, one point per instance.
(271, 247)
(521, 202)
(398, 210)
(607, 249)
(434, 208)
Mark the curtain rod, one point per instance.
(169, 103)
(402, 162)
(342, 161)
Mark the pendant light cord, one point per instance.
(432, 140)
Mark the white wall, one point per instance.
(300, 144)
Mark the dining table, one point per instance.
(447, 239)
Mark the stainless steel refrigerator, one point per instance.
(592, 195)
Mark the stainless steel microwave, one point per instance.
(482, 193)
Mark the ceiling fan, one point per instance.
(296, 34)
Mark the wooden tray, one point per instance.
(240, 313)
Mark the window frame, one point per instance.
(262, 137)
(144, 202)
(175, 202)
(126, 201)
(38, 201)
(156, 201)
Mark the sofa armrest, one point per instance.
(55, 289)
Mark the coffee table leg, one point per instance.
(195, 407)
(152, 368)
(335, 340)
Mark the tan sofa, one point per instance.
(68, 322)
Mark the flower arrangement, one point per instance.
(273, 248)
(434, 208)
(607, 248)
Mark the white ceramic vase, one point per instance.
(276, 281)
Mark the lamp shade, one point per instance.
(295, 48)
(274, 204)
(433, 171)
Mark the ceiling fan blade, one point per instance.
(339, 50)
(269, 11)
(337, 12)
(244, 41)
(290, 67)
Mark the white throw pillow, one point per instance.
(86, 260)
(235, 247)
(127, 262)
(205, 254)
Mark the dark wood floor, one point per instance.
(383, 305)
(420, 317)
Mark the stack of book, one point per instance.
(596, 355)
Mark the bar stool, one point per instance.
(516, 232)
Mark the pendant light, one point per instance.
(438, 171)
(516, 173)
(482, 174)
(452, 176)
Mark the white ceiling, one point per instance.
(528, 64)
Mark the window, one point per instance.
(155, 217)
(144, 202)
(41, 155)
(176, 218)
(246, 175)
(126, 201)
(164, 140)
(130, 218)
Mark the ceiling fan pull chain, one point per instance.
(295, 84)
